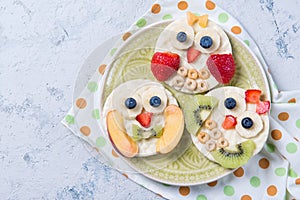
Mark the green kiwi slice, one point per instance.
(139, 134)
(234, 158)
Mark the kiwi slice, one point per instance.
(234, 158)
(139, 134)
(196, 109)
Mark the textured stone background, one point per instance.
(42, 46)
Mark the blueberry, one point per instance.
(155, 101)
(247, 122)
(206, 42)
(230, 103)
(130, 103)
(181, 36)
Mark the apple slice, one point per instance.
(118, 136)
(173, 130)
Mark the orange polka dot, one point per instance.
(293, 100)
(126, 36)
(184, 190)
(85, 130)
(114, 154)
(264, 163)
(283, 116)
(81, 103)
(182, 5)
(155, 8)
(236, 29)
(239, 172)
(246, 197)
(125, 175)
(272, 190)
(102, 68)
(297, 181)
(276, 134)
(212, 184)
(210, 5)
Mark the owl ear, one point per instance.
(203, 20)
(192, 19)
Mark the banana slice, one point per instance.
(249, 124)
(211, 35)
(181, 35)
(154, 92)
(238, 109)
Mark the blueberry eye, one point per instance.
(130, 103)
(247, 122)
(230, 103)
(206, 42)
(155, 101)
(181, 36)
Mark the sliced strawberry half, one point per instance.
(144, 119)
(222, 67)
(229, 122)
(252, 96)
(262, 107)
(192, 54)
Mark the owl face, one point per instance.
(194, 44)
(138, 115)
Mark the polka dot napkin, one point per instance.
(272, 174)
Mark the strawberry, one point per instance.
(252, 96)
(144, 119)
(229, 122)
(192, 54)
(221, 66)
(164, 65)
(262, 107)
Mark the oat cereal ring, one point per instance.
(210, 145)
(190, 84)
(204, 74)
(193, 74)
(178, 81)
(202, 86)
(222, 142)
(216, 133)
(203, 137)
(182, 71)
(210, 124)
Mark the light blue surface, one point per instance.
(42, 46)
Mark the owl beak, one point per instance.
(192, 54)
(144, 118)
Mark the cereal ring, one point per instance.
(210, 124)
(202, 86)
(216, 133)
(178, 81)
(182, 71)
(203, 137)
(204, 74)
(222, 142)
(193, 74)
(210, 145)
(190, 84)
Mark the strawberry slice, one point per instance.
(192, 54)
(144, 119)
(222, 67)
(164, 65)
(262, 107)
(252, 96)
(229, 122)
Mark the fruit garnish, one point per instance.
(262, 107)
(164, 65)
(206, 42)
(155, 101)
(249, 125)
(192, 54)
(222, 67)
(203, 21)
(130, 103)
(144, 119)
(230, 103)
(252, 96)
(229, 122)
(247, 122)
(181, 36)
(191, 18)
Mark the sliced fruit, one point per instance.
(243, 124)
(252, 96)
(118, 136)
(150, 95)
(203, 20)
(229, 122)
(234, 158)
(139, 133)
(191, 18)
(173, 129)
(181, 35)
(164, 65)
(262, 107)
(196, 110)
(144, 119)
(192, 54)
(222, 67)
(207, 40)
